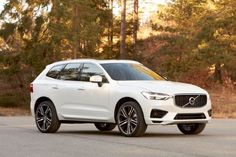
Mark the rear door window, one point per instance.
(54, 72)
(71, 72)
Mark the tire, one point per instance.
(105, 126)
(191, 128)
(130, 120)
(46, 117)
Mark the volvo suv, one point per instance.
(115, 92)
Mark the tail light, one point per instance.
(31, 88)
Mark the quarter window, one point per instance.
(71, 72)
(55, 71)
(89, 70)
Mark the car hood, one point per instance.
(167, 87)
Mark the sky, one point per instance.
(148, 7)
(2, 2)
(142, 3)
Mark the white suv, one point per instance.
(115, 92)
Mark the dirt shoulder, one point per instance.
(14, 111)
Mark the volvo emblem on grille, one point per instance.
(191, 101)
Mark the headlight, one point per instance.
(156, 96)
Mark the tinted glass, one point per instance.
(128, 71)
(71, 72)
(55, 71)
(91, 70)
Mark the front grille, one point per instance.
(182, 116)
(189, 101)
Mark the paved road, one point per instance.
(19, 138)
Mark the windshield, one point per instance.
(130, 71)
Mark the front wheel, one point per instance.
(191, 128)
(130, 119)
(105, 126)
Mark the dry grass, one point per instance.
(14, 111)
(223, 103)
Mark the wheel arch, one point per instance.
(41, 99)
(123, 100)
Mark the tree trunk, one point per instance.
(217, 74)
(111, 27)
(135, 22)
(75, 30)
(123, 30)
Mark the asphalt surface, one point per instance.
(20, 138)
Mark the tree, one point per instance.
(216, 38)
(123, 29)
(135, 22)
(197, 35)
(176, 26)
(81, 26)
(36, 33)
(111, 27)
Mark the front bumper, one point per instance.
(189, 115)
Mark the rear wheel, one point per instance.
(46, 117)
(191, 128)
(130, 119)
(105, 126)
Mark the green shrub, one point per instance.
(10, 100)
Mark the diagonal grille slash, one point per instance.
(190, 101)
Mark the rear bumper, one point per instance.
(175, 114)
(32, 103)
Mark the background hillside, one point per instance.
(191, 41)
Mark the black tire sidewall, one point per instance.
(108, 127)
(55, 124)
(197, 129)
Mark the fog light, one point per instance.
(155, 113)
(210, 112)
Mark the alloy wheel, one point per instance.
(43, 117)
(127, 119)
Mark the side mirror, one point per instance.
(96, 79)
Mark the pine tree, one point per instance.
(123, 30)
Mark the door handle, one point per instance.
(80, 89)
(54, 87)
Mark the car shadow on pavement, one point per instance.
(91, 132)
(117, 133)
(171, 135)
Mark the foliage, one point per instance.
(197, 35)
(10, 101)
(191, 37)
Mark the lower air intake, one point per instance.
(183, 116)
